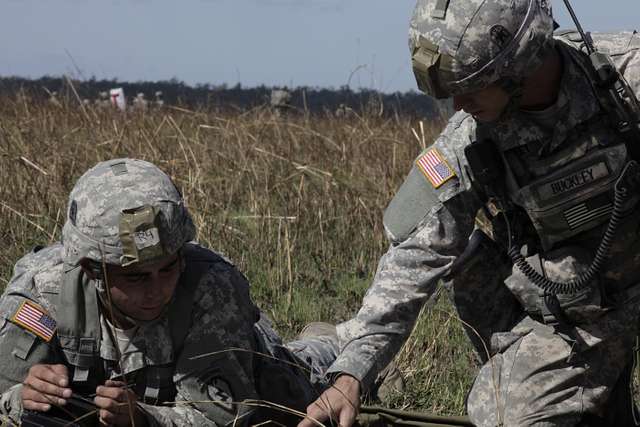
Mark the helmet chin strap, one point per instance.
(514, 89)
(514, 86)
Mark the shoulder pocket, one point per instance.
(415, 199)
(19, 350)
(17, 339)
(23, 344)
(409, 206)
(14, 339)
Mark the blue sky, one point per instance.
(324, 43)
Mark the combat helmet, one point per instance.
(123, 212)
(461, 46)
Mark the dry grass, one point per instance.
(295, 201)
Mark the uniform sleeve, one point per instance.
(214, 370)
(429, 226)
(179, 415)
(407, 276)
(11, 405)
(19, 349)
(631, 67)
(624, 49)
(632, 71)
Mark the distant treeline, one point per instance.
(175, 92)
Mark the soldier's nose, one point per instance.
(152, 285)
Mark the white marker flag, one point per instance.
(117, 98)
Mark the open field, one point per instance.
(295, 201)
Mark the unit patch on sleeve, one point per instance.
(35, 319)
(435, 167)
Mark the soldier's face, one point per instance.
(142, 292)
(485, 105)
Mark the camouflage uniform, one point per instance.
(538, 369)
(211, 352)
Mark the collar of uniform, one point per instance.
(576, 104)
(151, 345)
(576, 92)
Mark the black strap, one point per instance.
(180, 312)
(554, 315)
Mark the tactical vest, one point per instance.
(560, 198)
(79, 333)
(564, 196)
(571, 190)
(278, 376)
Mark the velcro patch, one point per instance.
(34, 318)
(435, 168)
(146, 238)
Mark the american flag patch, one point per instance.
(582, 214)
(33, 318)
(435, 168)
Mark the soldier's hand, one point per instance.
(117, 405)
(340, 403)
(45, 386)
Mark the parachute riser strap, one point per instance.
(628, 182)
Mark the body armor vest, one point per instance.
(79, 332)
(571, 189)
(566, 199)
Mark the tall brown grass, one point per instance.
(296, 201)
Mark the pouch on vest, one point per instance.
(575, 198)
(159, 386)
(217, 384)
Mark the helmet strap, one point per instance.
(514, 89)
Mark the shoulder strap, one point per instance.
(614, 95)
(179, 312)
(79, 324)
(197, 262)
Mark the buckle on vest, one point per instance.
(80, 374)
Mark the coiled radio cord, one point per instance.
(628, 181)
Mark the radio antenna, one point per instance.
(585, 36)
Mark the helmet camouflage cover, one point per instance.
(461, 46)
(125, 211)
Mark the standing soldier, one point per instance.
(280, 100)
(130, 319)
(139, 102)
(526, 209)
(159, 101)
(53, 98)
(103, 100)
